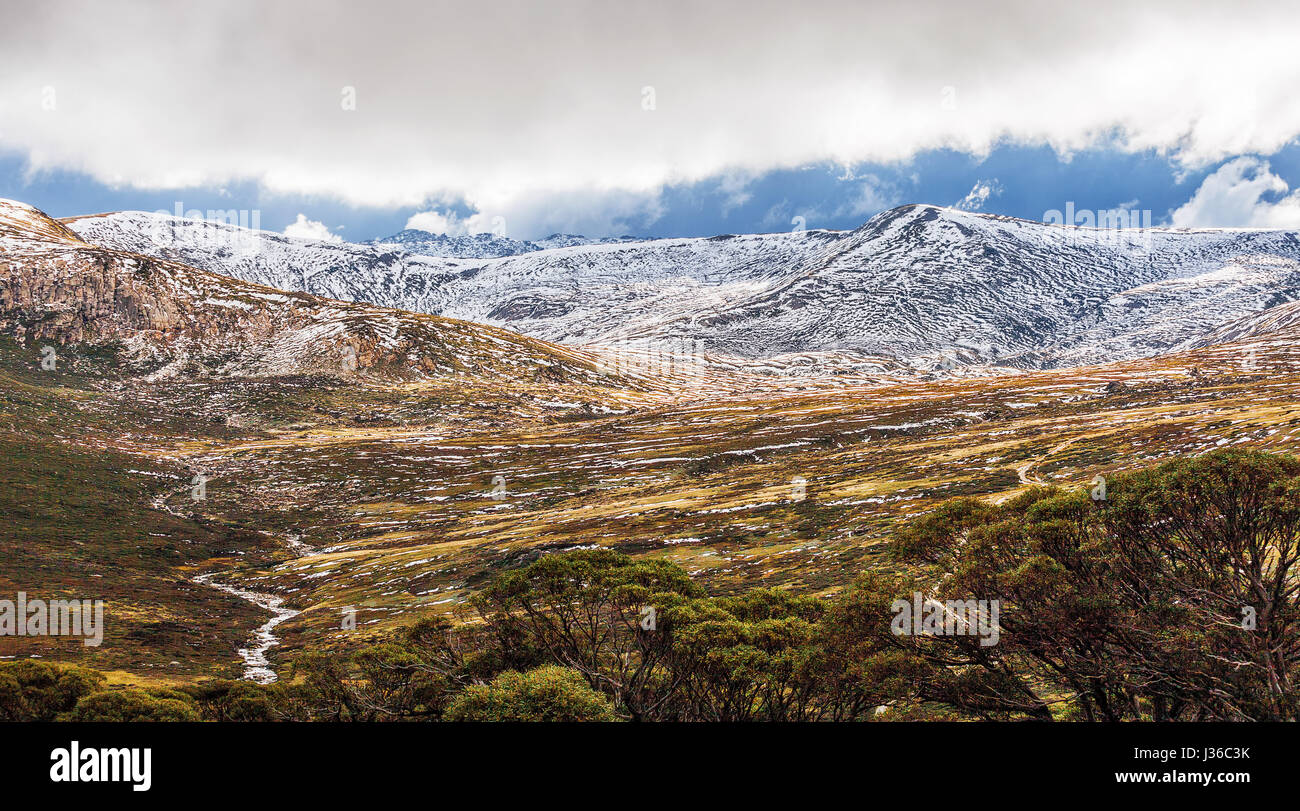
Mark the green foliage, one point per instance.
(546, 694)
(227, 700)
(133, 705)
(933, 534)
(759, 655)
(38, 691)
(588, 610)
(399, 681)
(1127, 608)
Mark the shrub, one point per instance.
(38, 691)
(548, 693)
(226, 700)
(132, 705)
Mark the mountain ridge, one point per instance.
(921, 284)
(483, 245)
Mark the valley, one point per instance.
(438, 454)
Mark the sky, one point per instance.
(352, 121)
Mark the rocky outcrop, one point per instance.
(54, 287)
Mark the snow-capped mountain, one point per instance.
(920, 279)
(481, 246)
(1273, 322)
(928, 285)
(577, 294)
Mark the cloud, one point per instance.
(435, 222)
(734, 186)
(1234, 196)
(591, 212)
(504, 107)
(452, 224)
(303, 228)
(872, 196)
(781, 216)
(979, 195)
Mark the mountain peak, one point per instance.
(20, 219)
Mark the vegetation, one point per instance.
(133, 705)
(711, 546)
(1174, 597)
(545, 694)
(36, 691)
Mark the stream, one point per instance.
(256, 666)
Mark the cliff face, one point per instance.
(55, 287)
(79, 294)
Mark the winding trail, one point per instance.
(1022, 473)
(1025, 472)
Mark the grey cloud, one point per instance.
(500, 103)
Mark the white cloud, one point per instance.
(735, 186)
(979, 195)
(303, 228)
(501, 106)
(434, 222)
(782, 216)
(1234, 197)
(528, 215)
(872, 196)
